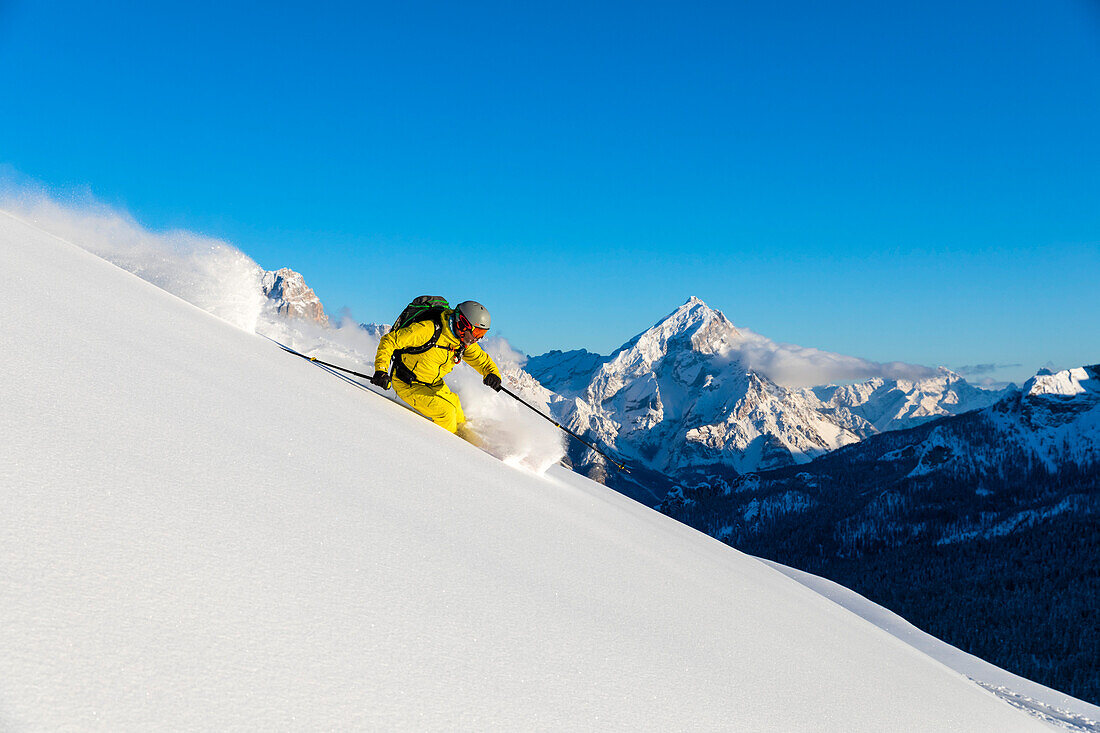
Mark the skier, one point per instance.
(425, 351)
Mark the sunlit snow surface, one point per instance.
(222, 280)
(201, 531)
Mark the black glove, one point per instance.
(381, 379)
(492, 380)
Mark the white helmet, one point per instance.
(470, 321)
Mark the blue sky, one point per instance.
(913, 181)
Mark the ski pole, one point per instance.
(543, 415)
(315, 360)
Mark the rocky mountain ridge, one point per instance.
(288, 294)
(678, 397)
(879, 405)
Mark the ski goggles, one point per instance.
(467, 331)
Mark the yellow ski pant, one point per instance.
(437, 403)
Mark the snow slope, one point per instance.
(1061, 710)
(200, 531)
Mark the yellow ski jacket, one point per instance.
(435, 363)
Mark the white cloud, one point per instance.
(801, 366)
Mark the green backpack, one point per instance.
(423, 308)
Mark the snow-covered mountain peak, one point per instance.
(693, 326)
(675, 348)
(878, 405)
(1052, 423)
(690, 333)
(1066, 383)
(945, 373)
(292, 298)
(679, 395)
(709, 330)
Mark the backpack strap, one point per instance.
(401, 371)
(430, 343)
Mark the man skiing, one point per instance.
(425, 351)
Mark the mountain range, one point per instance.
(679, 397)
(992, 471)
(963, 524)
(896, 486)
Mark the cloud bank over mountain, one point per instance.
(802, 366)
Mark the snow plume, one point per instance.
(204, 271)
(347, 345)
(222, 280)
(802, 366)
(505, 428)
(503, 354)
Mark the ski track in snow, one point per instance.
(1057, 717)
